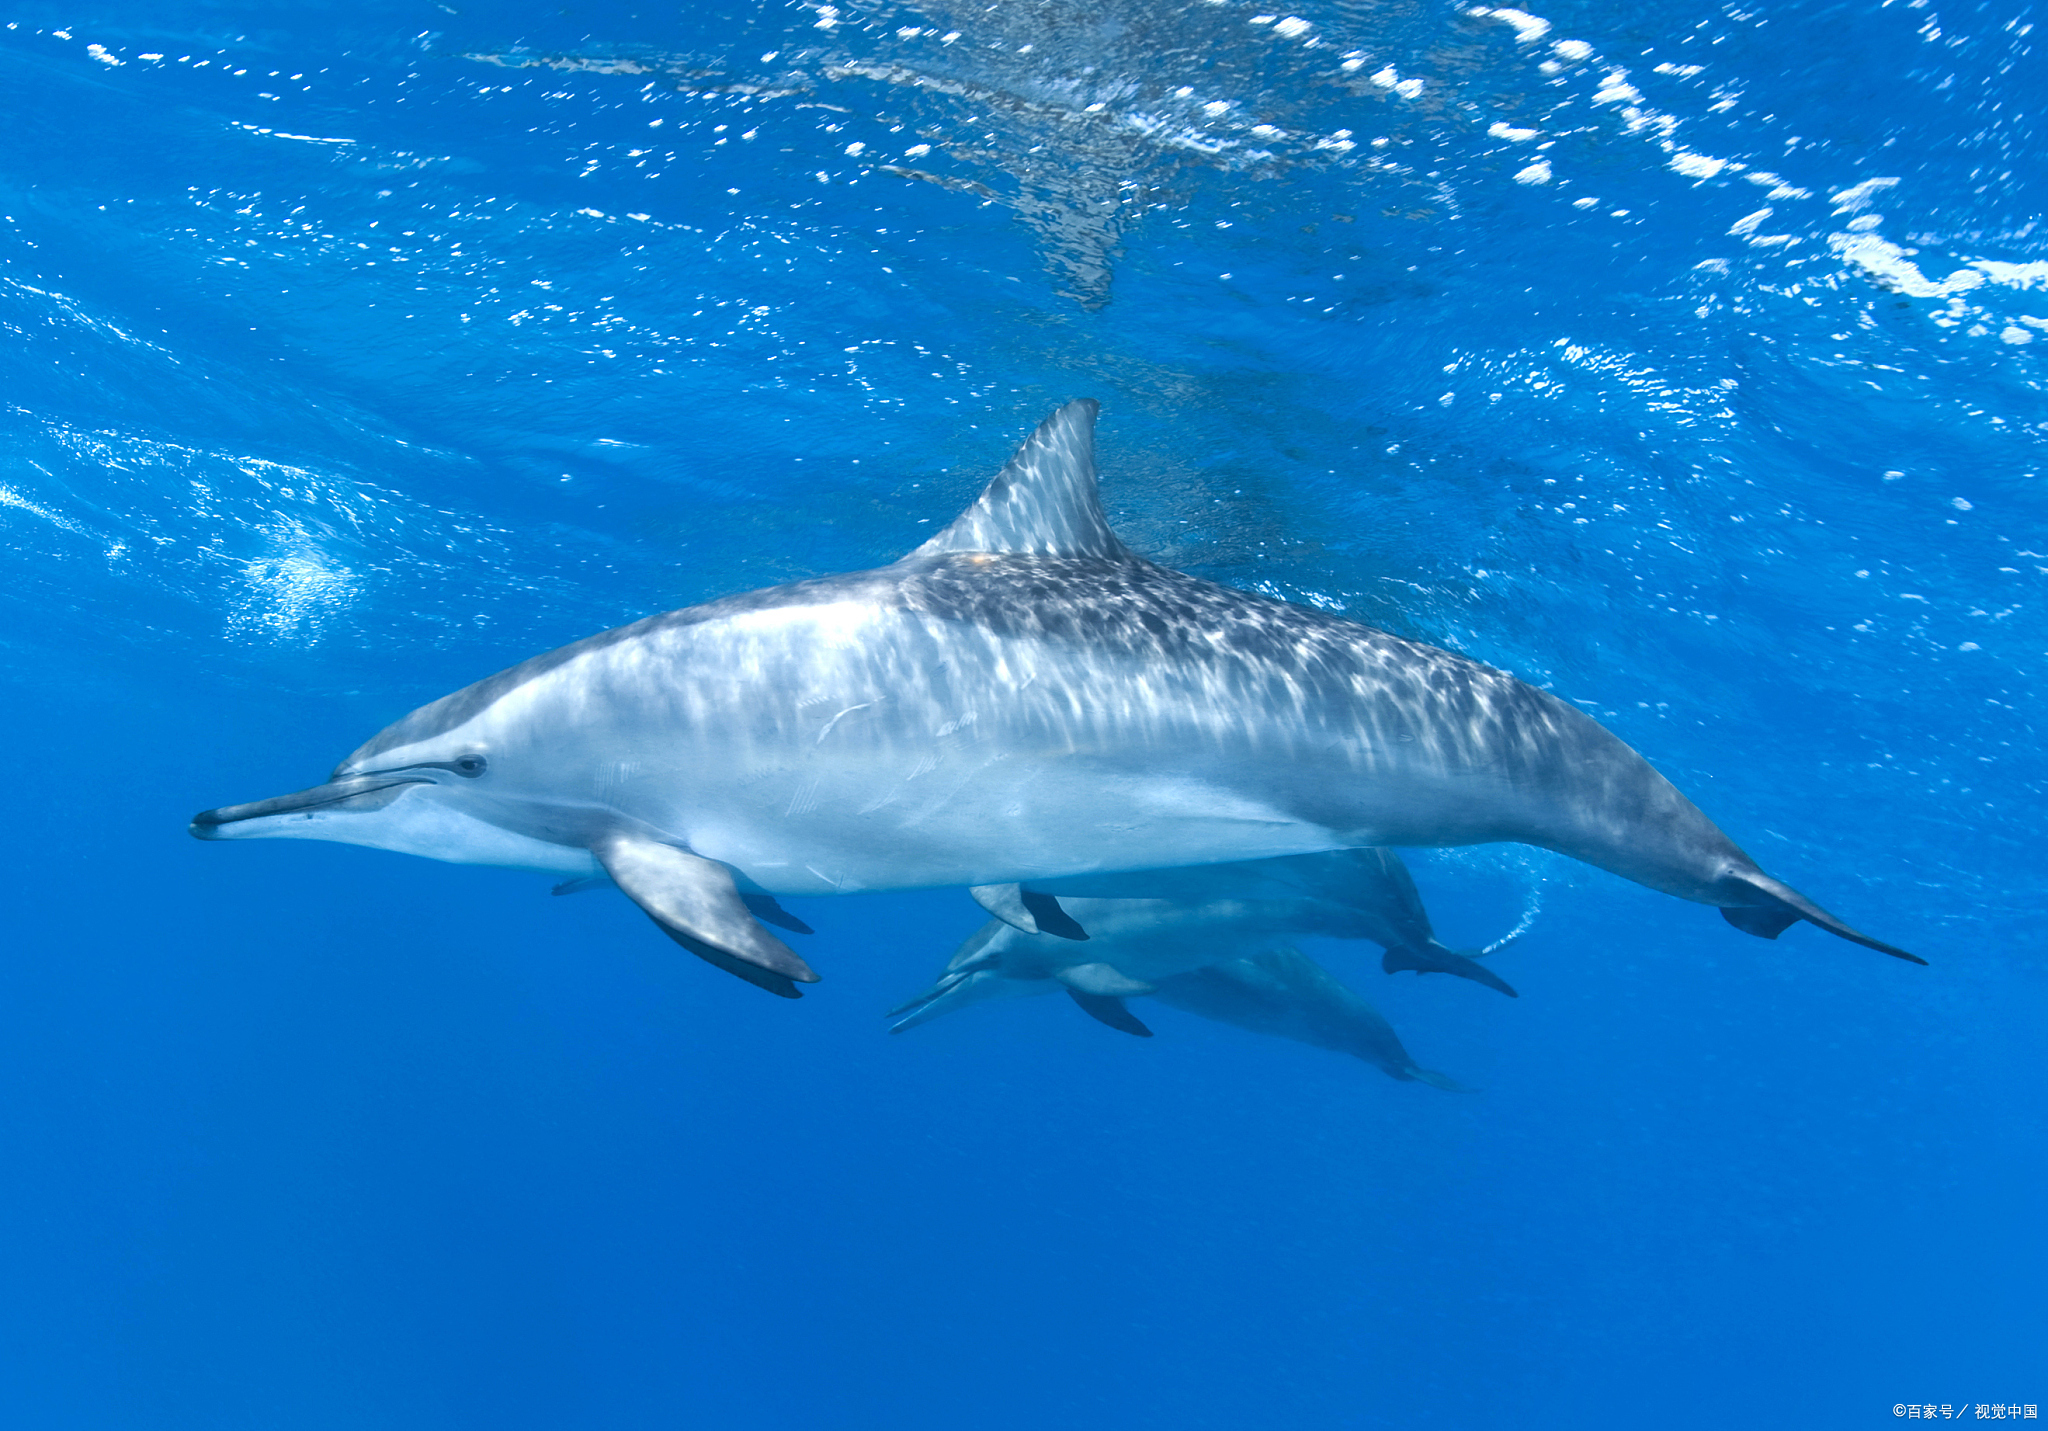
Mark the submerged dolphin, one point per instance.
(1287, 994)
(1197, 944)
(1020, 698)
(1282, 992)
(1342, 894)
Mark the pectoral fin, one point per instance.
(1104, 980)
(1109, 1011)
(696, 904)
(1027, 910)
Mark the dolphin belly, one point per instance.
(1007, 822)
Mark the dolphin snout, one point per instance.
(206, 825)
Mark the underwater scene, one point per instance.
(1159, 714)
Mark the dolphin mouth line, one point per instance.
(335, 792)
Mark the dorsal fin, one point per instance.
(1044, 503)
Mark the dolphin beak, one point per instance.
(207, 824)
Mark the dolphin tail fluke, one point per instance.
(1435, 959)
(1027, 910)
(696, 903)
(1782, 906)
(783, 986)
(1439, 1080)
(1105, 1009)
(765, 909)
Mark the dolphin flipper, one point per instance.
(763, 906)
(1433, 958)
(696, 904)
(1108, 1010)
(1027, 910)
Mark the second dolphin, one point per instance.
(1209, 941)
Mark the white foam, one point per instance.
(1886, 262)
(1615, 89)
(1528, 28)
(2013, 275)
(9, 497)
(1389, 78)
(1697, 166)
(292, 596)
(1858, 196)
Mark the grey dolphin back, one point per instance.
(1044, 502)
(696, 903)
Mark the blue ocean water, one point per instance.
(1683, 359)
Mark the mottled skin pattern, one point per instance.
(1021, 698)
(1335, 733)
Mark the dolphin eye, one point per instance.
(470, 765)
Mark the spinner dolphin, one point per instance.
(1207, 940)
(1020, 698)
(1342, 894)
(1281, 992)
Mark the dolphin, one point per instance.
(1194, 943)
(1343, 894)
(1287, 994)
(1281, 992)
(1020, 698)
(1148, 926)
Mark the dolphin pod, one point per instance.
(1020, 700)
(1202, 940)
